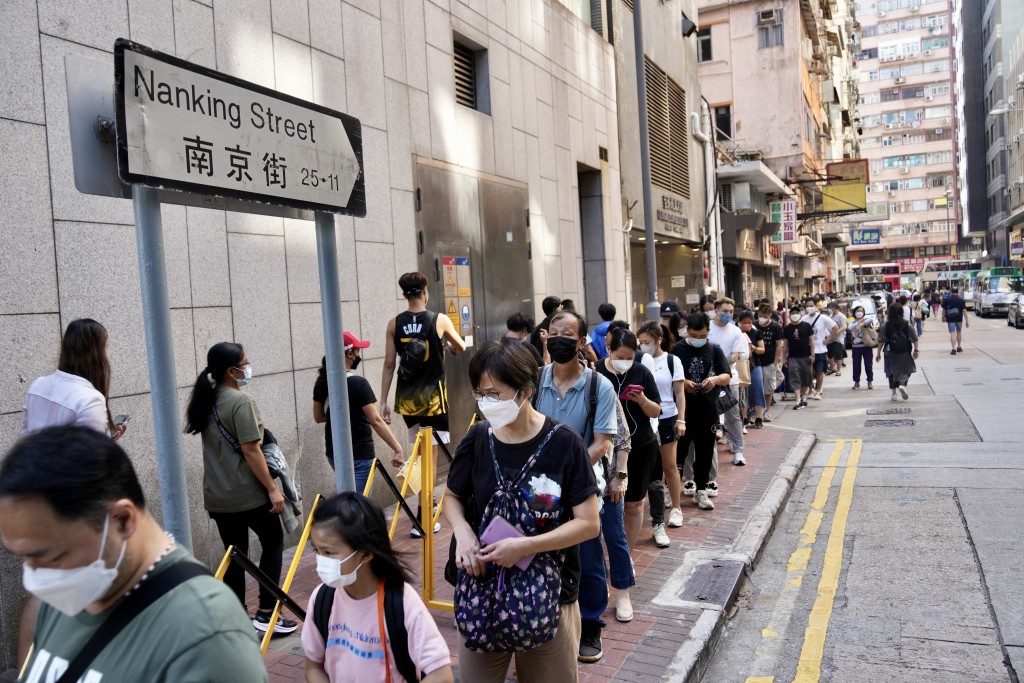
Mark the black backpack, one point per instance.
(898, 338)
(591, 398)
(394, 620)
(415, 353)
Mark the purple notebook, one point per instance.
(498, 530)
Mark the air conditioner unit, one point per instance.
(895, 91)
(1020, 80)
(928, 98)
(767, 17)
(889, 126)
(832, 51)
(900, 58)
(892, 193)
(936, 31)
(914, 8)
(881, 14)
(927, 53)
(1020, 180)
(904, 170)
(1021, 132)
(938, 131)
(900, 80)
(1016, 138)
(946, 121)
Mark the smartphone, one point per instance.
(630, 389)
(121, 419)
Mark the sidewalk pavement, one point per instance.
(683, 593)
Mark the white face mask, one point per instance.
(764, 321)
(621, 367)
(649, 349)
(811, 310)
(329, 571)
(246, 376)
(859, 314)
(499, 413)
(72, 590)
(712, 315)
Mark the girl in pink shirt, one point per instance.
(354, 557)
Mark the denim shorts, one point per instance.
(954, 327)
(820, 363)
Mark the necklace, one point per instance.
(162, 555)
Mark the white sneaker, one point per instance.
(722, 441)
(689, 487)
(894, 398)
(816, 396)
(738, 459)
(744, 429)
(903, 393)
(675, 518)
(712, 489)
(415, 533)
(703, 501)
(660, 537)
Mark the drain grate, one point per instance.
(889, 411)
(889, 423)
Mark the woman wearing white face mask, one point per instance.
(238, 491)
(560, 490)
(360, 572)
(638, 393)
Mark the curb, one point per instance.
(692, 659)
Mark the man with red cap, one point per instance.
(363, 415)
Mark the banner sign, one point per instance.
(784, 213)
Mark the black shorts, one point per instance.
(643, 467)
(439, 423)
(837, 350)
(667, 429)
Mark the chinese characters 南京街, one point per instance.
(196, 101)
(199, 159)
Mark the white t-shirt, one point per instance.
(648, 362)
(664, 379)
(822, 327)
(732, 340)
(63, 399)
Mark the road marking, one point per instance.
(809, 667)
(768, 650)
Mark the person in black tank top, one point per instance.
(421, 395)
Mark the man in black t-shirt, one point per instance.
(363, 415)
(799, 350)
(954, 314)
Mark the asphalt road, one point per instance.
(899, 555)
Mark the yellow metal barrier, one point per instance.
(427, 478)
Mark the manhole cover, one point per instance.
(889, 411)
(714, 582)
(888, 423)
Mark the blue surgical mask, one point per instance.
(696, 343)
(725, 318)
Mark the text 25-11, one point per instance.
(312, 178)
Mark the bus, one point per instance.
(961, 274)
(994, 288)
(876, 277)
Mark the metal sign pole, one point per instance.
(156, 317)
(337, 385)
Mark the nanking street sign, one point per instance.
(189, 128)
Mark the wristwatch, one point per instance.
(622, 475)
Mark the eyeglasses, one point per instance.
(488, 395)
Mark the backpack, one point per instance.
(898, 338)
(591, 400)
(394, 620)
(511, 609)
(416, 352)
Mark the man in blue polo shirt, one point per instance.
(563, 397)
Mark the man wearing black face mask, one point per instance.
(363, 415)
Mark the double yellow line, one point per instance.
(809, 665)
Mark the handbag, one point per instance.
(869, 337)
(271, 451)
(743, 372)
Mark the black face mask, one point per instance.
(562, 349)
(356, 361)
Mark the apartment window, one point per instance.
(769, 28)
(471, 87)
(704, 45)
(723, 121)
(941, 250)
(906, 252)
(668, 131)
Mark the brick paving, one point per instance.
(638, 651)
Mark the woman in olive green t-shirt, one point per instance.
(238, 490)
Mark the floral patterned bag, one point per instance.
(510, 609)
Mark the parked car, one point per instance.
(1014, 314)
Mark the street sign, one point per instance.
(784, 213)
(190, 128)
(865, 236)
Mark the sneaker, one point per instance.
(959, 350)
(722, 441)
(744, 429)
(953, 352)
(623, 608)
(767, 417)
(590, 644)
(903, 393)
(894, 398)
(675, 518)
(689, 487)
(415, 533)
(660, 537)
(738, 459)
(800, 405)
(759, 423)
(703, 501)
(261, 622)
(712, 489)
(816, 396)
(856, 386)
(870, 386)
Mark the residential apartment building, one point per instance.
(906, 114)
(778, 78)
(1014, 223)
(973, 126)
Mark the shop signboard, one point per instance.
(860, 236)
(784, 213)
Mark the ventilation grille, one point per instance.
(465, 76)
(725, 196)
(666, 120)
(629, 4)
(596, 20)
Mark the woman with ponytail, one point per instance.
(238, 490)
(78, 393)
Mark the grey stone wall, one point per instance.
(253, 279)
